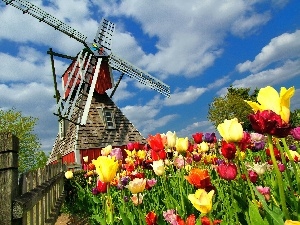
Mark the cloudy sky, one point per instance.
(198, 48)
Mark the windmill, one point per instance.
(91, 70)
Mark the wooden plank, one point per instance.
(9, 147)
(26, 201)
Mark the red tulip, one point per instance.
(91, 166)
(245, 142)
(276, 153)
(197, 137)
(227, 171)
(151, 218)
(101, 186)
(179, 220)
(156, 142)
(157, 155)
(268, 122)
(191, 220)
(228, 150)
(133, 146)
(253, 176)
(205, 221)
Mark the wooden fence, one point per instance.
(30, 198)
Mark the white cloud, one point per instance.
(202, 126)
(188, 96)
(33, 99)
(285, 46)
(145, 118)
(189, 35)
(245, 25)
(274, 76)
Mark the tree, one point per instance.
(295, 118)
(232, 105)
(30, 154)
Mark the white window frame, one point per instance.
(108, 120)
(62, 129)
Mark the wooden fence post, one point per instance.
(9, 147)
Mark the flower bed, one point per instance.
(245, 178)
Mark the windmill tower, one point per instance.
(83, 104)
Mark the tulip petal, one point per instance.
(285, 97)
(269, 99)
(254, 105)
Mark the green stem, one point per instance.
(295, 167)
(279, 178)
(140, 213)
(233, 199)
(246, 173)
(286, 172)
(109, 207)
(181, 193)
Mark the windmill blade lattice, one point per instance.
(79, 89)
(104, 35)
(42, 16)
(143, 77)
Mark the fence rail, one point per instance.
(31, 198)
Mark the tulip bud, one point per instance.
(85, 159)
(69, 174)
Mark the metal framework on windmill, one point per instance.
(85, 72)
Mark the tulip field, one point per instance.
(243, 178)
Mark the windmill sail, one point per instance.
(143, 77)
(79, 88)
(42, 16)
(90, 72)
(104, 35)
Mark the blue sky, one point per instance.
(198, 48)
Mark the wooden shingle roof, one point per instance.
(94, 134)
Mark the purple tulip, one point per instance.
(95, 191)
(124, 181)
(210, 137)
(296, 133)
(258, 145)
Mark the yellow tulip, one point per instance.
(203, 146)
(105, 151)
(269, 99)
(202, 200)
(291, 222)
(106, 168)
(231, 130)
(182, 145)
(69, 174)
(158, 167)
(141, 154)
(137, 185)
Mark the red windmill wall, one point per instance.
(104, 81)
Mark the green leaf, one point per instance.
(277, 218)
(125, 219)
(99, 219)
(96, 200)
(255, 217)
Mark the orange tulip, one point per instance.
(199, 178)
